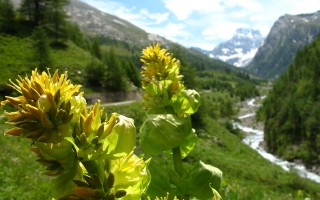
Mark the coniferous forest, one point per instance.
(291, 112)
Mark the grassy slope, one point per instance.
(16, 58)
(20, 176)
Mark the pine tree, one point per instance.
(116, 79)
(34, 10)
(95, 75)
(132, 72)
(42, 55)
(56, 18)
(75, 35)
(95, 49)
(47, 13)
(7, 17)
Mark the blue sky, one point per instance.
(203, 23)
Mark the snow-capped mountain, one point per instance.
(240, 50)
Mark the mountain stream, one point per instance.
(254, 138)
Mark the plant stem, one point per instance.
(177, 161)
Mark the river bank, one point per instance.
(254, 138)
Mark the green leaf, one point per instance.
(122, 139)
(71, 140)
(63, 185)
(186, 102)
(120, 142)
(54, 151)
(158, 88)
(163, 132)
(201, 180)
(130, 174)
(188, 144)
(160, 183)
(216, 195)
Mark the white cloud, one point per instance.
(249, 5)
(183, 9)
(172, 31)
(299, 7)
(222, 30)
(156, 17)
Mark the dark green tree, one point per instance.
(95, 49)
(7, 17)
(116, 79)
(95, 75)
(75, 35)
(56, 19)
(132, 72)
(42, 55)
(34, 10)
(47, 13)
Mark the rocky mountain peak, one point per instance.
(240, 49)
(288, 34)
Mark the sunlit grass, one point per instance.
(20, 176)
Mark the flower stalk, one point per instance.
(177, 161)
(167, 127)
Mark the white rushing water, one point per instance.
(254, 139)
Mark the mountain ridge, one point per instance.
(288, 34)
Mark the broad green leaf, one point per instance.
(186, 102)
(200, 181)
(130, 174)
(122, 139)
(63, 185)
(188, 144)
(160, 183)
(163, 132)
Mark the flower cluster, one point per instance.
(89, 158)
(168, 102)
(168, 128)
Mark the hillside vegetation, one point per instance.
(291, 112)
(17, 57)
